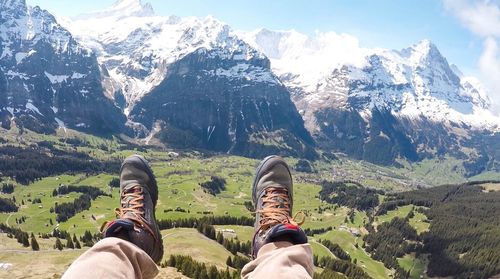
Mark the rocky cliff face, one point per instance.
(211, 100)
(47, 80)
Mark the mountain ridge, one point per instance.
(377, 105)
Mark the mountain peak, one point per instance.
(424, 44)
(422, 51)
(423, 47)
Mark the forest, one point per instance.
(392, 240)
(352, 196)
(214, 186)
(26, 165)
(463, 239)
(7, 205)
(65, 211)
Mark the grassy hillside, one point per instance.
(179, 176)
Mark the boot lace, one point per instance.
(132, 208)
(276, 209)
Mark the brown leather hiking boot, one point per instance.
(272, 194)
(136, 220)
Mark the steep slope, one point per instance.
(47, 79)
(381, 105)
(193, 79)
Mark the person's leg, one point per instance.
(132, 243)
(281, 260)
(279, 247)
(113, 257)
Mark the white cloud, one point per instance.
(482, 17)
(489, 64)
(311, 57)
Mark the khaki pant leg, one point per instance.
(281, 260)
(113, 258)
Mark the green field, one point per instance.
(347, 241)
(180, 196)
(415, 266)
(419, 221)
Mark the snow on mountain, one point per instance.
(306, 59)
(31, 24)
(331, 70)
(137, 46)
(42, 66)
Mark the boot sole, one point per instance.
(141, 163)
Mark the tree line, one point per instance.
(8, 205)
(65, 211)
(26, 165)
(92, 191)
(335, 249)
(210, 220)
(234, 245)
(350, 196)
(330, 265)
(21, 236)
(196, 270)
(237, 262)
(206, 227)
(7, 188)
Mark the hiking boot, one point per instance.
(136, 220)
(272, 194)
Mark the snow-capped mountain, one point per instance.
(378, 104)
(48, 80)
(193, 82)
(137, 46)
(190, 75)
(333, 71)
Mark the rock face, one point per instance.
(216, 102)
(192, 82)
(47, 80)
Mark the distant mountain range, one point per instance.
(195, 83)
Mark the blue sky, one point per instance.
(391, 24)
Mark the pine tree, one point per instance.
(25, 240)
(78, 245)
(58, 245)
(34, 243)
(229, 261)
(69, 243)
(213, 273)
(171, 261)
(220, 238)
